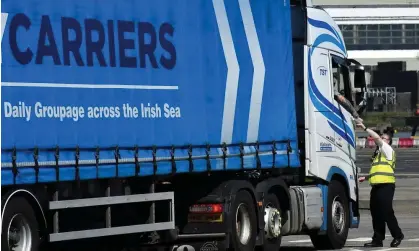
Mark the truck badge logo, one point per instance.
(325, 147)
(322, 71)
(209, 246)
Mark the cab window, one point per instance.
(341, 78)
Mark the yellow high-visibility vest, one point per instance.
(382, 170)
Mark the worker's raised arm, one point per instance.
(377, 139)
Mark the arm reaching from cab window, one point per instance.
(348, 106)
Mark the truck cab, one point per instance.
(322, 69)
(326, 130)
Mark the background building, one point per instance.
(378, 31)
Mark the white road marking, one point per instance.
(233, 70)
(401, 248)
(359, 239)
(413, 239)
(301, 241)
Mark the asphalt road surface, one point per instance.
(406, 197)
(406, 206)
(357, 237)
(407, 161)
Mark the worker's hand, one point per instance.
(360, 125)
(361, 179)
(358, 120)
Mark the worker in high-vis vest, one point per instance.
(382, 180)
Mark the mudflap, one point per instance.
(354, 214)
(198, 245)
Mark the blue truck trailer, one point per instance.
(188, 125)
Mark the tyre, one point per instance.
(337, 219)
(273, 223)
(20, 228)
(243, 222)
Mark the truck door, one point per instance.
(345, 138)
(321, 113)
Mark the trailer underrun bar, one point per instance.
(57, 205)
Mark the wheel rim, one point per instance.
(338, 215)
(272, 220)
(243, 225)
(19, 235)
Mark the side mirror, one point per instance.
(359, 78)
(361, 86)
(362, 104)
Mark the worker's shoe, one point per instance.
(374, 244)
(396, 241)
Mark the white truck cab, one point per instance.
(330, 144)
(326, 128)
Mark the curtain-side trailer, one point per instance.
(193, 125)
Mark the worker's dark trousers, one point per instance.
(381, 206)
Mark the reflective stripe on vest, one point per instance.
(382, 170)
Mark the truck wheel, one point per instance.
(243, 222)
(273, 223)
(337, 219)
(20, 229)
